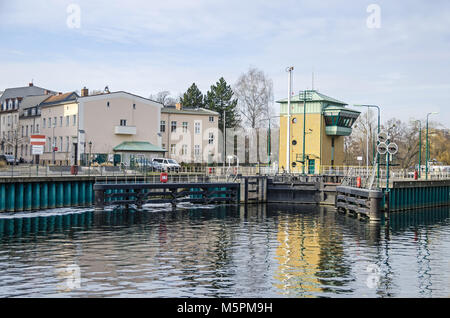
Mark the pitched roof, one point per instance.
(188, 111)
(62, 98)
(23, 92)
(32, 101)
(315, 97)
(138, 146)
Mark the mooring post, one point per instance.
(375, 205)
(99, 200)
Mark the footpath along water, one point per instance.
(223, 251)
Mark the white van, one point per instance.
(168, 164)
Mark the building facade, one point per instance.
(327, 122)
(190, 135)
(11, 102)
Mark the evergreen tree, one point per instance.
(220, 99)
(193, 97)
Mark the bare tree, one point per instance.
(164, 98)
(254, 92)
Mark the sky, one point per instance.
(395, 54)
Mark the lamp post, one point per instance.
(269, 150)
(378, 131)
(420, 147)
(427, 151)
(288, 131)
(306, 96)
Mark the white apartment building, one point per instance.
(115, 127)
(190, 135)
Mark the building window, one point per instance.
(211, 119)
(26, 130)
(162, 126)
(163, 146)
(43, 122)
(67, 121)
(134, 106)
(49, 122)
(211, 138)
(197, 128)
(67, 144)
(197, 150)
(185, 127)
(22, 130)
(60, 121)
(60, 144)
(74, 120)
(123, 122)
(107, 104)
(173, 126)
(184, 150)
(37, 128)
(54, 121)
(49, 144)
(172, 149)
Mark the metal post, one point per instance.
(304, 131)
(288, 127)
(420, 148)
(427, 148)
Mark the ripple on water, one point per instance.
(264, 251)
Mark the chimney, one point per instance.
(84, 92)
(178, 106)
(30, 84)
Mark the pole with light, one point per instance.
(378, 132)
(288, 132)
(420, 147)
(427, 151)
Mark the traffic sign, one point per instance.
(392, 148)
(383, 137)
(37, 140)
(382, 148)
(37, 149)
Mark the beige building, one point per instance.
(11, 106)
(114, 127)
(190, 135)
(29, 124)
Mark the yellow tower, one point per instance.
(321, 122)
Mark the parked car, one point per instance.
(11, 160)
(168, 164)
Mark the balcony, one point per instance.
(125, 130)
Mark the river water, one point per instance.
(223, 251)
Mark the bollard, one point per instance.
(375, 206)
(99, 200)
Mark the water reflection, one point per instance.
(225, 251)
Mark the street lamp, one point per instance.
(420, 147)
(378, 131)
(306, 96)
(288, 139)
(427, 147)
(269, 150)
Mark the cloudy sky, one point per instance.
(400, 62)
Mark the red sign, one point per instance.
(55, 149)
(164, 177)
(37, 140)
